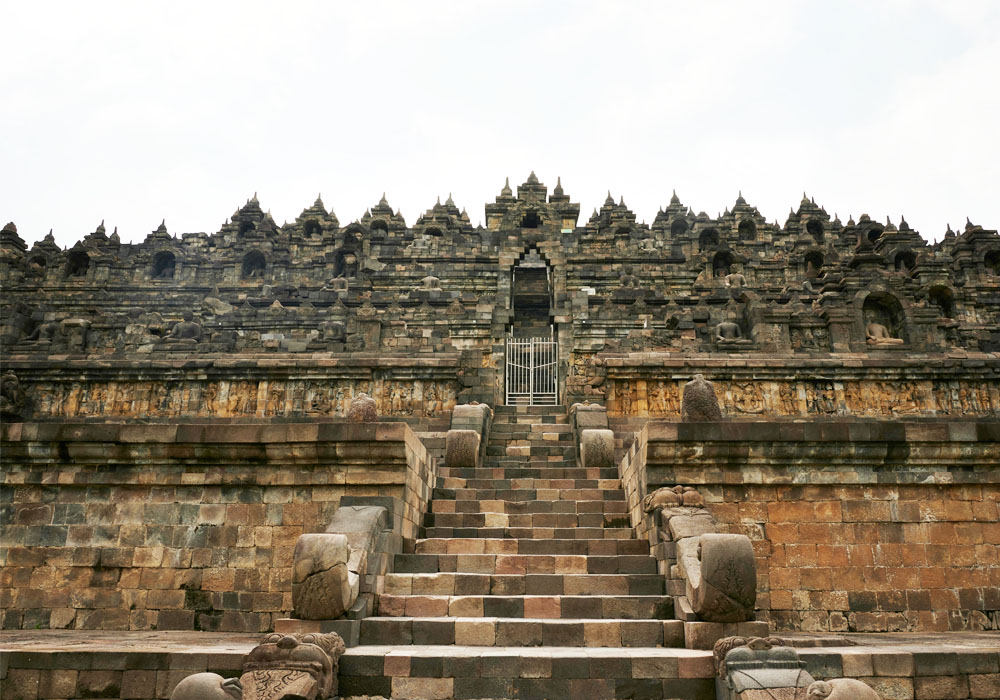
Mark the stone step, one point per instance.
(522, 632)
(502, 410)
(532, 472)
(527, 495)
(524, 485)
(558, 546)
(535, 432)
(551, 462)
(467, 584)
(535, 426)
(551, 606)
(466, 672)
(515, 509)
(532, 521)
(494, 443)
(529, 533)
(564, 451)
(598, 502)
(524, 564)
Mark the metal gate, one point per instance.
(532, 377)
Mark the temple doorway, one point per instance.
(532, 376)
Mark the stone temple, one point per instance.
(544, 458)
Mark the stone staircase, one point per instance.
(528, 582)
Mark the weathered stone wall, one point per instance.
(184, 526)
(651, 384)
(857, 526)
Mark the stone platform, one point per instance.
(64, 664)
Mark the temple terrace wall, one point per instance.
(857, 525)
(190, 526)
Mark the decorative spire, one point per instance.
(609, 201)
(532, 179)
(674, 199)
(319, 201)
(383, 202)
(558, 191)
(162, 228)
(449, 202)
(506, 191)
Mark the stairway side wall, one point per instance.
(857, 526)
(189, 526)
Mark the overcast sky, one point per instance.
(135, 111)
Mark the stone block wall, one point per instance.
(857, 526)
(184, 526)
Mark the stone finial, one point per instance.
(462, 448)
(597, 448)
(609, 201)
(721, 575)
(506, 191)
(10, 227)
(321, 583)
(699, 402)
(532, 178)
(362, 409)
(674, 199)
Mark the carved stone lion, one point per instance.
(12, 398)
(671, 496)
(207, 686)
(841, 689)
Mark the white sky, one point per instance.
(134, 111)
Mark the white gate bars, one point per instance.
(532, 372)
